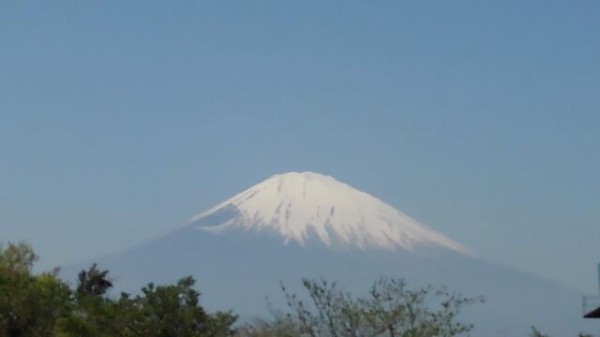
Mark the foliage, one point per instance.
(173, 310)
(29, 305)
(389, 309)
(44, 306)
(93, 282)
(17, 257)
(41, 305)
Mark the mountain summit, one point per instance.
(300, 206)
(290, 227)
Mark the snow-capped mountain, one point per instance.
(300, 205)
(290, 227)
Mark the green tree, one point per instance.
(173, 311)
(390, 309)
(159, 311)
(44, 306)
(92, 313)
(17, 258)
(30, 305)
(93, 282)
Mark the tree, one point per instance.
(44, 306)
(17, 257)
(30, 305)
(389, 309)
(173, 311)
(159, 311)
(93, 282)
(92, 313)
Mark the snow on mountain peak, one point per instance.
(300, 205)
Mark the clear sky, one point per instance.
(120, 120)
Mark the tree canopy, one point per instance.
(389, 309)
(42, 305)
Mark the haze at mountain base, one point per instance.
(299, 225)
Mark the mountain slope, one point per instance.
(296, 205)
(239, 270)
(291, 226)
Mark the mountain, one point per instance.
(298, 225)
(294, 205)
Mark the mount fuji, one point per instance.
(294, 205)
(297, 225)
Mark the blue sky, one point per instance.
(119, 121)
